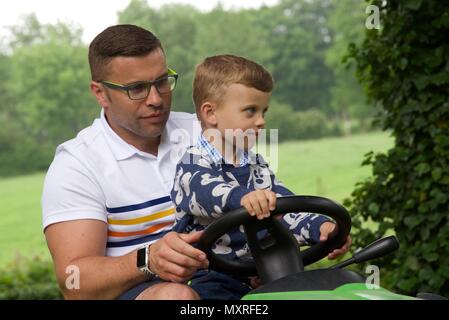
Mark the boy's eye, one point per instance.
(250, 111)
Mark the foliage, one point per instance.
(300, 125)
(47, 96)
(404, 68)
(347, 96)
(29, 279)
(298, 32)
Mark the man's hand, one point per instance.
(173, 258)
(325, 229)
(259, 203)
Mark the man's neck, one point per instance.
(148, 145)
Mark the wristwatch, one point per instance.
(143, 261)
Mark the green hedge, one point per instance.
(28, 279)
(301, 125)
(405, 69)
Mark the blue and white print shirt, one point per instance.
(206, 187)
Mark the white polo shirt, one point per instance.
(98, 175)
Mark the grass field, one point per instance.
(20, 222)
(328, 167)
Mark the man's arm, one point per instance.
(80, 245)
(75, 225)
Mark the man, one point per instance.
(107, 213)
(106, 193)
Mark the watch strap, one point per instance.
(143, 261)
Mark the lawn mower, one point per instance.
(278, 262)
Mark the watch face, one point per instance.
(141, 257)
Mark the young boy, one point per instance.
(219, 174)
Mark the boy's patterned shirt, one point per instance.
(206, 187)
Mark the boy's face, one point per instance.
(242, 108)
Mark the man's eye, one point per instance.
(141, 87)
(162, 83)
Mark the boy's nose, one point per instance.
(260, 122)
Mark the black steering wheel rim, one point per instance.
(284, 205)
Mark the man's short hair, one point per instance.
(215, 74)
(123, 40)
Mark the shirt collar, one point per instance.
(216, 156)
(123, 150)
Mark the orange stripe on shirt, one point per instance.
(150, 217)
(149, 230)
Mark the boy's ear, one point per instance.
(99, 94)
(208, 113)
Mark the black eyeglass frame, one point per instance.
(116, 86)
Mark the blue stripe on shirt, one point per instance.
(139, 206)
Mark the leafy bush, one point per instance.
(310, 124)
(29, 279)
(404, 67)
(300, 125)
(279, 117)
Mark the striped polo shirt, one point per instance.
(97, 175)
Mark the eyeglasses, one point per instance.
(140, 90)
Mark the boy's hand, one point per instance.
(325, 229)
(259, 203)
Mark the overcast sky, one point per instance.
(95, 15)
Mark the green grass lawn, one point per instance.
(327, 167)
(20, 222)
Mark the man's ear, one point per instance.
(99, 94)
(208, 113)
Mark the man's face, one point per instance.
(243, 110)
(137, 121)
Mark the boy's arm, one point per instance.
(202, 191)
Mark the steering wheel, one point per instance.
(277, 255)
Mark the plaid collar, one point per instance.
(216, 156)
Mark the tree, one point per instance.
(298, 33)
(404, 68)
(30, 32)
(10, 133)
(49, 100)
(347, 25)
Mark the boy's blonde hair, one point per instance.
(215, 74)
